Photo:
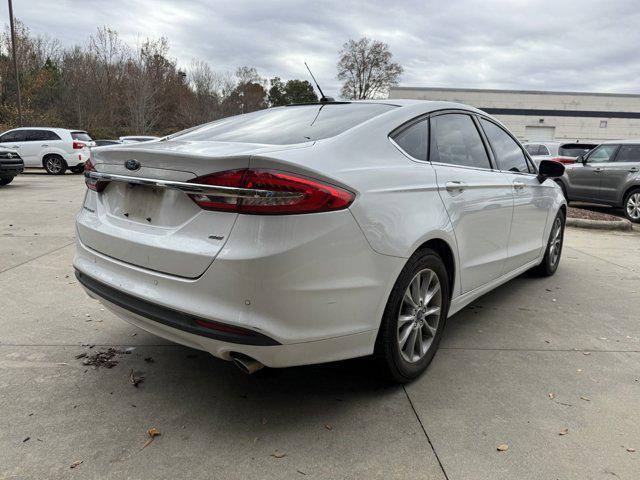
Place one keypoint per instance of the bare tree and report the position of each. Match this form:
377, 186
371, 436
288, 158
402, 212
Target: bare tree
366, 69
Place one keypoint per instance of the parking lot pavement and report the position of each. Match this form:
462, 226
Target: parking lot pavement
575, 336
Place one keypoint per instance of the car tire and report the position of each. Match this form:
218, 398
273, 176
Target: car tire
54, 165
631, 206
553, 252
402, 361
6, 180
77, 169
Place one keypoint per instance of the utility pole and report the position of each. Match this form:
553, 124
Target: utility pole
15, 60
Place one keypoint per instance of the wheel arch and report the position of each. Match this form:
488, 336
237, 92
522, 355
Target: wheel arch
629, 189
442, 248
52, 154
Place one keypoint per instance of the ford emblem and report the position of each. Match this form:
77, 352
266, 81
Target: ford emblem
132, 164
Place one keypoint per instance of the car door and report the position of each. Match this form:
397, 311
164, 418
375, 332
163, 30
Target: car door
617, 174
31, 147
532, 200
584, 178
14, 140
478, 198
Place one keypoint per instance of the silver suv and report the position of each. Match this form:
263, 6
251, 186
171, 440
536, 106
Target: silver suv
607, 174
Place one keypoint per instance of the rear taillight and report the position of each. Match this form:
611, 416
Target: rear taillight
79, 145
304, 195
564, 160
92, 183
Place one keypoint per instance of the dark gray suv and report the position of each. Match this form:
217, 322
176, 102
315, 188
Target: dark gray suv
608, 174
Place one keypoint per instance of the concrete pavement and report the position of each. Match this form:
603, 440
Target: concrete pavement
575, 335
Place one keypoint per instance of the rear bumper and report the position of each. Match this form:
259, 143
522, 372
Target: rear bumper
311, 287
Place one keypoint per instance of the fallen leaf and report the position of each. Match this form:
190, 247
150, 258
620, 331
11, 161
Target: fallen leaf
631, 450
579, 370
564, 431
278, 454
328, 427
152, 432
586, 399
76, 464
135, 381
26, 439
149, 360
81, 355
551, 395
503, 447
586, 353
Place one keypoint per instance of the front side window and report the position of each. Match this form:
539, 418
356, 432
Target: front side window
456, 141
15, 136
602, 154
414, 140
628, 153
509, 155
543, 150
287, 125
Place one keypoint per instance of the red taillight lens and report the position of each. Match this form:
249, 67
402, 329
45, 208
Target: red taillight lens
92, 183
313, 196
564, 160
78, 145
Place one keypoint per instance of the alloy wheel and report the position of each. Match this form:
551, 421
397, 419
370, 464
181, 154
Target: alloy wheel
54, 165
419, 315
555, 241
633, 206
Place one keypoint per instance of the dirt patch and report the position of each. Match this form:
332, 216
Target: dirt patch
586, 214
104, 358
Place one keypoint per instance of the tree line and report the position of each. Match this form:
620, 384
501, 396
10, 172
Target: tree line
110, 89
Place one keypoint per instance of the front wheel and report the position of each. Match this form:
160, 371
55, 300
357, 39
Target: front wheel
6, 180
551, 258
632, 206
55, 165
414, 318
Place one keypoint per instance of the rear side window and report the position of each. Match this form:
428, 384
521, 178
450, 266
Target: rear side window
533, 149
415, 140
628, 153
80, 136
509, 155
574, 150
456, 140
15, 136
287, 125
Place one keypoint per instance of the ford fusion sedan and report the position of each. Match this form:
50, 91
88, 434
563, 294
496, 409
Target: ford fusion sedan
312, 233
609, 175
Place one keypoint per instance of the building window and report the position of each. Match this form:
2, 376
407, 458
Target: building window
603, 124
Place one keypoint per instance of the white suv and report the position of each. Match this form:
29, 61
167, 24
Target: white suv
54, 149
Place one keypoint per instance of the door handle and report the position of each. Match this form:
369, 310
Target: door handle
44, 145
518, 185
633, 170
455, 186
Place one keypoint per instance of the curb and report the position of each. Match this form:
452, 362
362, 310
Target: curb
622, 224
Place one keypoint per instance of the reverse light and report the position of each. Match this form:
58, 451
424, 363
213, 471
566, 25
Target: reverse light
309, 196
93, 183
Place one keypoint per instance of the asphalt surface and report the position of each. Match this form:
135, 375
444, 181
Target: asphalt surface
574, 337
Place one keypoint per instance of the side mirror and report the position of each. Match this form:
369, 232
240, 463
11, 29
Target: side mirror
549, 169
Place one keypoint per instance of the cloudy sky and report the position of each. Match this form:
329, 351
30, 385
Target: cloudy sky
578, 45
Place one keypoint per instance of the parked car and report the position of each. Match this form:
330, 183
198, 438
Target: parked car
562, 152
10, 165
102, 143
137, 138
54, 149
320, 232
607, 175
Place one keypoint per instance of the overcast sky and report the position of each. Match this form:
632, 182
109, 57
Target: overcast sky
546, 45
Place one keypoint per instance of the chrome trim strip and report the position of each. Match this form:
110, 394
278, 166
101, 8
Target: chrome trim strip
193, 188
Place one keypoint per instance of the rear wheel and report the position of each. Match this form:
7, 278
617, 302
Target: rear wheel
6, 180
77, 169
632, 206
55, 165
551, 258
414, 318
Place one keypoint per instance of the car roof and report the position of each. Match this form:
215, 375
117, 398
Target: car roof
53, 129
621, 142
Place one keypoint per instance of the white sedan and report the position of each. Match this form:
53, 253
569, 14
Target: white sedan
313, 233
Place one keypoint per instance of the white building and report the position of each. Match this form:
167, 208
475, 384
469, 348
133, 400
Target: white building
538, 116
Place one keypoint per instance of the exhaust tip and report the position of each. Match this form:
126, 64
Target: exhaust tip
245, 363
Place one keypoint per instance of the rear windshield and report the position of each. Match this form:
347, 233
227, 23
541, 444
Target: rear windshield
81, 136
287, 125
574, 150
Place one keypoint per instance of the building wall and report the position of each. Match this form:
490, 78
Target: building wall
574, 116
